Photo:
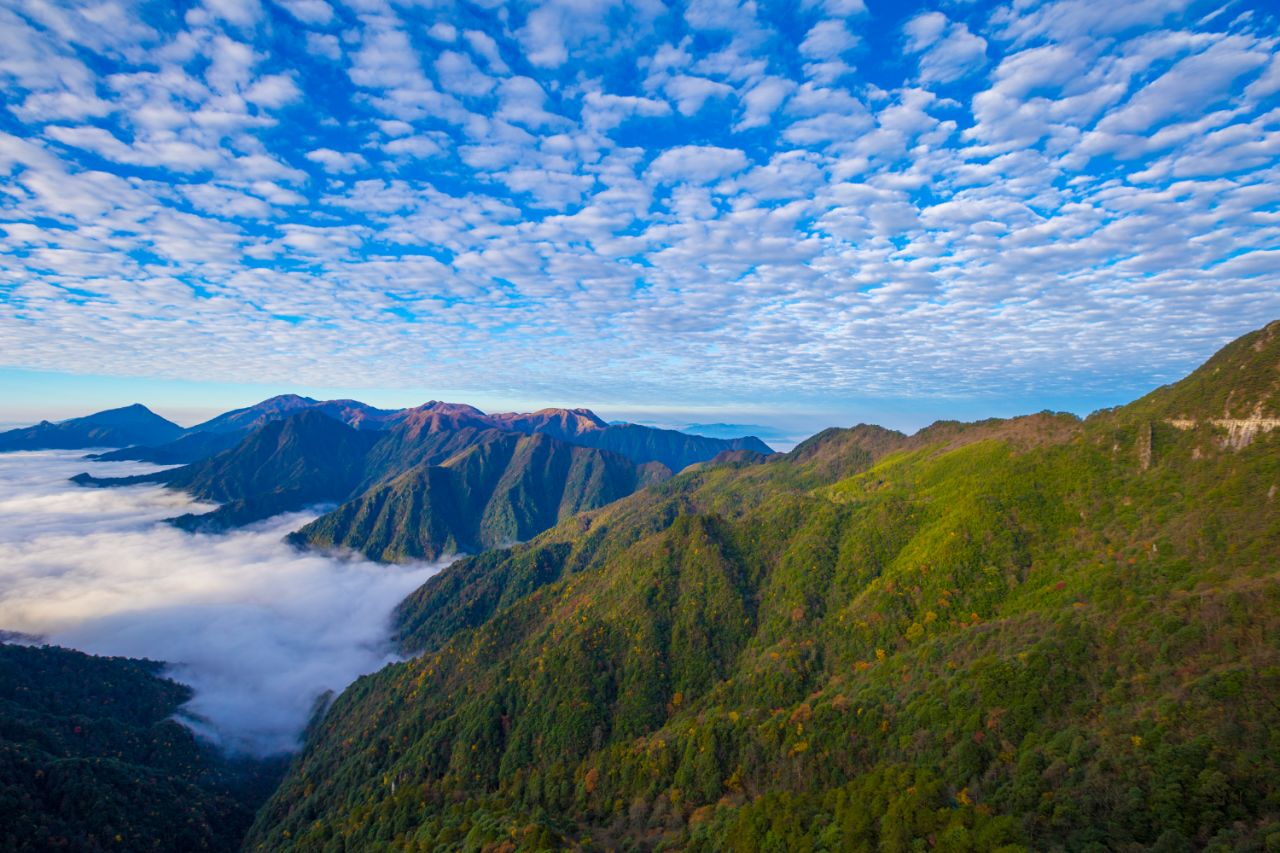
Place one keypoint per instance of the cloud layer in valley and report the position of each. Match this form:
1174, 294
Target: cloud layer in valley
709, 201
258, 629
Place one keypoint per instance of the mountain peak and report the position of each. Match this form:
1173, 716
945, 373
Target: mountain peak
132, 424
287, 399
582, 416
1239, 382
445, 407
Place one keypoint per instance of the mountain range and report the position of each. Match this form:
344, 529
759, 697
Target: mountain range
1040, 633
142, 435
1036, 633
417, 483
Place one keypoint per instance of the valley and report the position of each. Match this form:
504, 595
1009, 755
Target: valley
1032, 633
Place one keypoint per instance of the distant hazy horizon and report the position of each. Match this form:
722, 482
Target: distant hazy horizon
29, 397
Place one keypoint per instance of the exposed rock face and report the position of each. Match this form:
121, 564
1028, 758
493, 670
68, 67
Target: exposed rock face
1240, 431
1144, 446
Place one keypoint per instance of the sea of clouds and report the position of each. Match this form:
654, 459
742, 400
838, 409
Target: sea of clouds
259, 629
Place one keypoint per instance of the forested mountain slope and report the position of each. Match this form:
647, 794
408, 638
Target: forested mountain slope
418, 491
494, 492
190, 447
1039, 633
285, 465
90, 760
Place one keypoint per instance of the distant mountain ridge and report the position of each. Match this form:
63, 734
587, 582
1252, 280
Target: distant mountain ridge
350, 412
504, 489
412, 492
417, 483
135, 424
676, 450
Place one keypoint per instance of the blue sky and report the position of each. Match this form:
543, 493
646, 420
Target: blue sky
817, 211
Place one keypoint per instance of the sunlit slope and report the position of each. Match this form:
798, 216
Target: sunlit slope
1039, 633
493, 493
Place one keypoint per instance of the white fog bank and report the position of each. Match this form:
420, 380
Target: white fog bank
257, 628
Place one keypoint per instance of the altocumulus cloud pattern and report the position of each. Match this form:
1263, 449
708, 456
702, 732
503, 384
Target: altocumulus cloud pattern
712, 198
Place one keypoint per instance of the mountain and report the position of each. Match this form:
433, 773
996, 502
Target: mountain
230, 428
286, 465
91, 759
432, 485
436, 416
1038, 633
175, 446
283, 466
564, 424
134, 424
501, 488
642, 444
191, 447
350, 412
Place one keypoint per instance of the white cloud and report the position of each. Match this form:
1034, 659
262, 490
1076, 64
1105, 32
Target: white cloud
924, 30
337, 161
1109, 163
170, 153
273, 90
762, 100
523, 102
603, 111
443, 31
696, 163
241, 13
733, 15
324, 45
316, 12
259, 629
418, 147
484, 45
690, 93
827, 40
459, 75
1194, 85
845, 8
948, 51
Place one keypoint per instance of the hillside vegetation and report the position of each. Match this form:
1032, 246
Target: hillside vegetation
419, 483
1033, 634
494, 492
90, 760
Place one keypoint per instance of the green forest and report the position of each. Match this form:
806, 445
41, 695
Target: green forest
1042, 633
91, 759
